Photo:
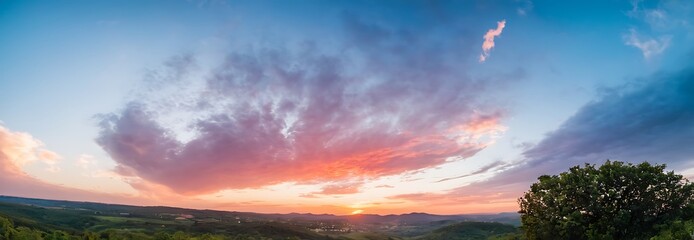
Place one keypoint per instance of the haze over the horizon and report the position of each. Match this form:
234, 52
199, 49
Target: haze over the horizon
339, 107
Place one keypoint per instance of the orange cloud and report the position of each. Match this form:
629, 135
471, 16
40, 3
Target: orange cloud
340, 189
484, 124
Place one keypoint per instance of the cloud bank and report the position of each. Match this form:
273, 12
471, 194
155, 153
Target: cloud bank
488, 43
390, 103
649, 121
652, 121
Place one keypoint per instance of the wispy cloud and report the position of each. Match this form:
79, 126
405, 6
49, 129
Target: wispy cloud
85, 161
649, 47
340, 189
663, 16
657, 23
525, 7
473, 199
335, 189
488, 43
482, 170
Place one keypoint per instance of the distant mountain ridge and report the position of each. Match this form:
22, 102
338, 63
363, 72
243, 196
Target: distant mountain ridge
417, 217
408, 218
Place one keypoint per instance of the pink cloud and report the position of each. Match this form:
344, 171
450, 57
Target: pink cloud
483, 124
17, 148
488, 43
271, 116
15, 182
340, 189
262, 158
20, 149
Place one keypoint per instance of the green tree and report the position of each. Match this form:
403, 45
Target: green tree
208, 236
508, 236
58, 235
6, 228
615, 201
162, 236
676, 230
25, 233
180, 236
87, 235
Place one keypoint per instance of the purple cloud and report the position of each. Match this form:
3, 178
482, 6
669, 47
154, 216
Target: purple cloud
392, 103
652, 120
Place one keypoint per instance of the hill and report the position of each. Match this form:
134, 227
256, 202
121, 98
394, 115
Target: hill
114, 221
80, 221
469, 231
409, 218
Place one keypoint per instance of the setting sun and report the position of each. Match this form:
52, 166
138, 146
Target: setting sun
358, 211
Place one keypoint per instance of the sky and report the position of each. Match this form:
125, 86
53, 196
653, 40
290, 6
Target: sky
340, 107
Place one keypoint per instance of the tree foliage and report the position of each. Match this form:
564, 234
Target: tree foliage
615, 201
6, 228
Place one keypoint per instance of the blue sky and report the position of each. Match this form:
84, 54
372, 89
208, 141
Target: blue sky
328, 103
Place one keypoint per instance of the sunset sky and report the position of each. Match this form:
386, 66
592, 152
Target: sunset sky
339, 107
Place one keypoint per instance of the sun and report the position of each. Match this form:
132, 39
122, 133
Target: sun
358, 211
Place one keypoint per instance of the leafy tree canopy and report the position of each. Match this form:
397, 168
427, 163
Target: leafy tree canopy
615, 201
